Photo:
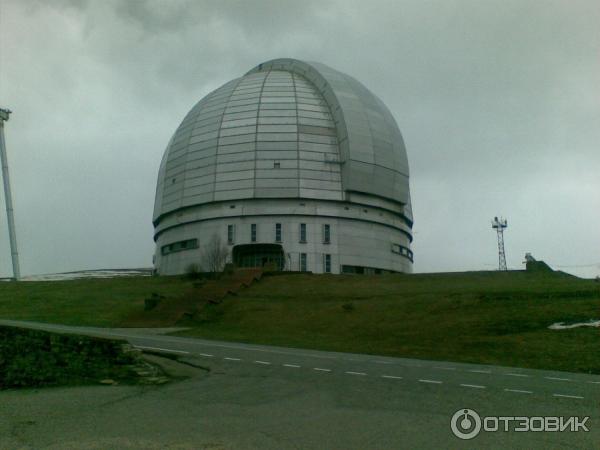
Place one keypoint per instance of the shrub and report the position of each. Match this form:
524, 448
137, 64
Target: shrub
193, 271
152, 301
348, 307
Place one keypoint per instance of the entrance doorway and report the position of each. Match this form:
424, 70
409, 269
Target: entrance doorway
258, 255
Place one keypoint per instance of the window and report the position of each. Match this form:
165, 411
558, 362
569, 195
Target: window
179, 246
404, 251
253, 232
276, 165
326, 233
230, 234
277, 232
303, 265
303, 233
327, 263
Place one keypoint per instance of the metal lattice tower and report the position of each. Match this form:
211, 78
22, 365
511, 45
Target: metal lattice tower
499, 225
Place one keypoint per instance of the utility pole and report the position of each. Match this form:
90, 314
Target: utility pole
499, 225
4, 113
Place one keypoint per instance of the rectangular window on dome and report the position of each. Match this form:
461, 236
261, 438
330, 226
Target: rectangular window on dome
327, 263
303, 263
230, 234
303, 233
402, 250
179, 246
277, 232
253, 232
326, 233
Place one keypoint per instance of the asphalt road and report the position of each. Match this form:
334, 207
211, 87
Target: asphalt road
271, 397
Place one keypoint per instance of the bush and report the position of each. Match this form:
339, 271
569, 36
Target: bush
348, 307
193, 271
32, 358
228, 269
152, 302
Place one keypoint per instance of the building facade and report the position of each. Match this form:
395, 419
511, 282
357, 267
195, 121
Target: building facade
295, 165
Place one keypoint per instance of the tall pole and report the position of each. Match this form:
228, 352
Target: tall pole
4, 113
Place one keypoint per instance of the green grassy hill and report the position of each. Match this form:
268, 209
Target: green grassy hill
483, 317
102, 302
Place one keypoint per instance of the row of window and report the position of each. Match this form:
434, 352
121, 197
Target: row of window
404, 251
326, 233
364, 270
193, 243
179, 246
326, 263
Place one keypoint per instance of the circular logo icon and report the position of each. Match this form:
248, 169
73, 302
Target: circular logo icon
465, 424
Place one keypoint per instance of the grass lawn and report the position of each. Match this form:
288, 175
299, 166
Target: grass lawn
91, 302
482, 317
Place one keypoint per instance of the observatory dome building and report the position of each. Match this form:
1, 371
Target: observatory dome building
293, 164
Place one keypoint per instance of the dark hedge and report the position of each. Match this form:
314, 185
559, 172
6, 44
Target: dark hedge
32, 358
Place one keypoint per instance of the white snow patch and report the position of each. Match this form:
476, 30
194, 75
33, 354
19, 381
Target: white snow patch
103, 273
563, 326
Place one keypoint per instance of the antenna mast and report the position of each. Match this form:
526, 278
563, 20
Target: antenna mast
499, 225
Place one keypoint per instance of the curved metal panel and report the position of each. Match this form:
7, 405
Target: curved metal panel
287, 128
248, 139
371, 146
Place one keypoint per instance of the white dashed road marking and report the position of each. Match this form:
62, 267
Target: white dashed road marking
518, 391
567, 396
472, 386
143, 347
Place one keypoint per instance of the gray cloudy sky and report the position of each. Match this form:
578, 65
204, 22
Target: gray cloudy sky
498, 102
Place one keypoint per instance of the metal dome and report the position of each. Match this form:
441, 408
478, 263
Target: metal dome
326, 133
293, 163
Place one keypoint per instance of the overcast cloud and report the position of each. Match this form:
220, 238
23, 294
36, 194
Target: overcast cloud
498, 102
